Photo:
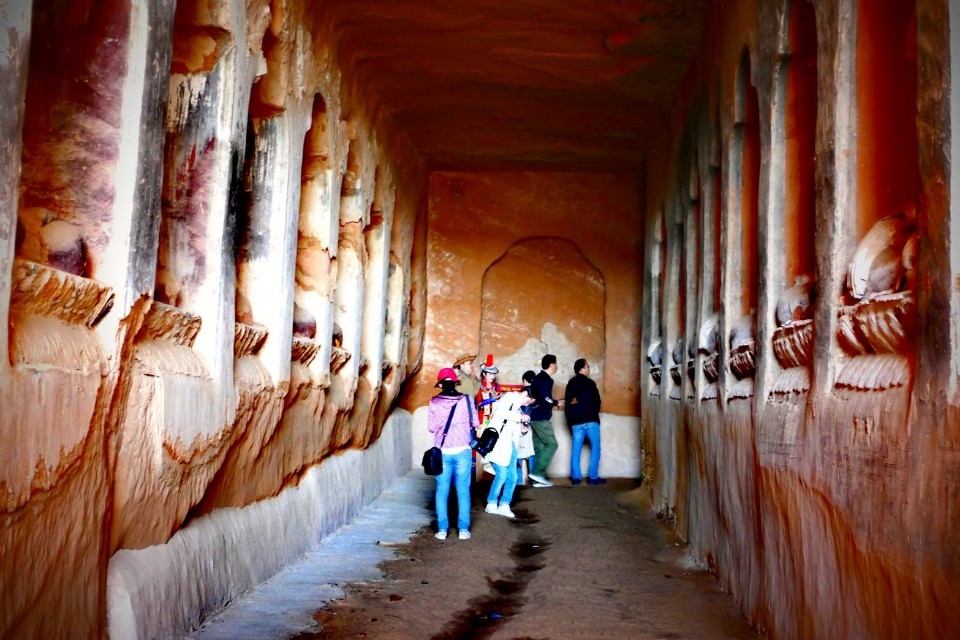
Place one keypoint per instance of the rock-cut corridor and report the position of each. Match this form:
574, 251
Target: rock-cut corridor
576, 562
240, 238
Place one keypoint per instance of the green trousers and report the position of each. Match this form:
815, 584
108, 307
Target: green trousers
544, 446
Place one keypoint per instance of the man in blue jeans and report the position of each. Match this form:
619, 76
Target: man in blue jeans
582, 409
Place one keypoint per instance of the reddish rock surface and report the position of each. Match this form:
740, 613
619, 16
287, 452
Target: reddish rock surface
577, 86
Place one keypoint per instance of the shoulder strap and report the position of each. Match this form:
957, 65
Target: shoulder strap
503, 426
449, 420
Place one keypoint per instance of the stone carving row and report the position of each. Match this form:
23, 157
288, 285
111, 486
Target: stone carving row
877, 325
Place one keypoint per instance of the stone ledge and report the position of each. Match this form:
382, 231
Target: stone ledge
44, 291
304, 350
874, 372
338, 358
170, 324
248, 339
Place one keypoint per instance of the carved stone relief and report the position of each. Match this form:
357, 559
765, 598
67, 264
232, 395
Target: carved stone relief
676, 372
878, 320
793, 338
248, 339
708, 344
742, 356
655, 358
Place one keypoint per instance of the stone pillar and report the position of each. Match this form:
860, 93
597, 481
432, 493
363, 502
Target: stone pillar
351, 261
14, 54
266, 264
377, 241
318, 226
213, 72
836, 179
129, 257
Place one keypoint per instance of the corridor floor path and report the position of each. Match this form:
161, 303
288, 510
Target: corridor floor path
576, 562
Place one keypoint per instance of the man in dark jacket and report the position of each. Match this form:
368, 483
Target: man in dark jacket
582, 402
544, 440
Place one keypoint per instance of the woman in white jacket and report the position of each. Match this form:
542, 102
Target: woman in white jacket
511, 422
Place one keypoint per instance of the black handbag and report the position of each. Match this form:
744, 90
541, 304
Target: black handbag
433, 461
487, 441
433, 458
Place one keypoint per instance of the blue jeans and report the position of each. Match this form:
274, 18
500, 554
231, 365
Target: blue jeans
506, 479
455, 466
590, 430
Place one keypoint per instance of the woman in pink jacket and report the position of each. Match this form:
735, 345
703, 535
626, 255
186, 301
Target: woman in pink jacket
451, 418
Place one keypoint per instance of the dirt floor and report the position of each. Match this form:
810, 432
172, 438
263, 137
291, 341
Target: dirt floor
576, 562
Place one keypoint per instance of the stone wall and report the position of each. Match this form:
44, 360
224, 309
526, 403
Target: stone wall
799, 318
524, 264
208, 264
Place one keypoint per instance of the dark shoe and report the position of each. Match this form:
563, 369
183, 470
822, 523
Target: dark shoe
575, 481
596, 481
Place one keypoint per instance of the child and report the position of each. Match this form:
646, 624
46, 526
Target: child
525, 448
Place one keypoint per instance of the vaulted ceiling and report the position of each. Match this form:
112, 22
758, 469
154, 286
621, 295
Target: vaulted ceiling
567, 85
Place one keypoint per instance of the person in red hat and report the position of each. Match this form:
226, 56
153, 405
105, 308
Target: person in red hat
489, 390
451, 418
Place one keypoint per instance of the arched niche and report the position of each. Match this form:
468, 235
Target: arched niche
317, 232
888, 177
658, 266
878, 320
743, 256
693, 265
792, 259
543, 296
376, 235
72, 133
713, 189
747, 148
800, 127
711, 208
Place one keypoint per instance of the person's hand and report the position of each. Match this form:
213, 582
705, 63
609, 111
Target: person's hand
560, 404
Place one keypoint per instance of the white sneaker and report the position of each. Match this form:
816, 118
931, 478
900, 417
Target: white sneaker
540, 481
504, 510
440, 535
491, 507
464, 535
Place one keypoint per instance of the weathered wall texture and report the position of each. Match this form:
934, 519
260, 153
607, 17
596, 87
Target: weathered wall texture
208, 268
523, 264
809, 452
